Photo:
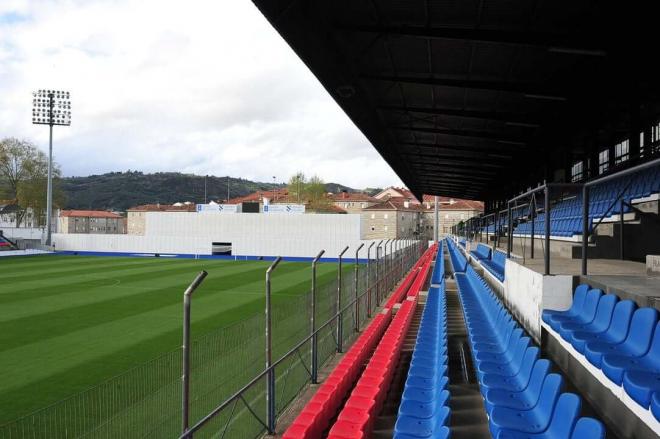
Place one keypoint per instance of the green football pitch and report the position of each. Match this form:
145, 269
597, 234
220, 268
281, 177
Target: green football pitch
71, 322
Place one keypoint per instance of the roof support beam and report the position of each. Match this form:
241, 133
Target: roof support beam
496, 151
486, 135
507, 118
570, 44
530, 90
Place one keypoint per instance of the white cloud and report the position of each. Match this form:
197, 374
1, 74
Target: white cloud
204, 86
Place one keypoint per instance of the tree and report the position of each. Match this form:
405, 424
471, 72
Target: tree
24, 173
315, 191
296, 187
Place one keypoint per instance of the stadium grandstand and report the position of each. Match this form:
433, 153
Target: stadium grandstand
540, 317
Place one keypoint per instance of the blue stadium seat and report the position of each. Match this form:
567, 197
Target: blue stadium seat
588, 428
578, 301
519, 399
600, 322
522, 398
496, 264
655, 405
585, 315
482, 252
614, 366
532, 420
616, 331
636, 343
562, 423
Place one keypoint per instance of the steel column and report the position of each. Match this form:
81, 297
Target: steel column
509, 231
585, 227
185, 376
547, 230
315, 341
340, 317
621, 241
532, 204
369, 279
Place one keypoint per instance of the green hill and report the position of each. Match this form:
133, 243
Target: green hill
121, 190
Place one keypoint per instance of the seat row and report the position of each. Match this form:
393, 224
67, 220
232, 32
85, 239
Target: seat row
438, 274
356, 419
424, 410
412, 276
615, 336
482, 252
315, 418
521, 395
492, 260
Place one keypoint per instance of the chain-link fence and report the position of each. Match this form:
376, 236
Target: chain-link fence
226, 365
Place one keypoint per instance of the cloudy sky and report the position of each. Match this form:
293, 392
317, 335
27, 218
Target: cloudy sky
201, 86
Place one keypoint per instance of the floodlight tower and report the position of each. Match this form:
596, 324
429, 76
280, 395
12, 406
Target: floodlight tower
50, 107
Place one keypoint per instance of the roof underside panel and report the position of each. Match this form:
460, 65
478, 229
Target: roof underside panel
480, 98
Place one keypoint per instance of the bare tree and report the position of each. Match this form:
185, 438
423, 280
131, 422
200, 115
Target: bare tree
24, 172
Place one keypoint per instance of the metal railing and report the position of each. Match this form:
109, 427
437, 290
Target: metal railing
254, 408
469, 228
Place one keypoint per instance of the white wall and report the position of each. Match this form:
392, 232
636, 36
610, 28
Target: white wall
250, 234
527, 293
22, 232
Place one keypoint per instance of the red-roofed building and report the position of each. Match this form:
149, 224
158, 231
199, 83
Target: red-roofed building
401, 215
91, 222
353, 202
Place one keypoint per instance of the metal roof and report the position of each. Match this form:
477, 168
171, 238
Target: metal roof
480, 98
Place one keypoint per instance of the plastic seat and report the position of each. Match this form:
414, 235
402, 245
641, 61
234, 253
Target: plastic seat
422, 428
615, 333
641, 385
513, 383
523, 400
655, 405
588, 428
534, 420
586, 314
614, 366
562, 423
636, 343
578, 301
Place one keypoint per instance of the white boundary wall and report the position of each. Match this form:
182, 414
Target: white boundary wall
528, 293
250, 235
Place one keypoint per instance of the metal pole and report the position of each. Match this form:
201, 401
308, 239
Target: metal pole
378, 286
315, 348
357, 301
436, 219
621, 232
49, 189
386, 270
270, 391
340, 317
487, 232
369, 279
532, 204
547, 230
585, 227
509, 231
185, 376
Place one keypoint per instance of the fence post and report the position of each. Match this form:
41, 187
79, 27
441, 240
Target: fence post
378, 270
369, 279
270, 390
340, 316
357, 300
315, 340
185, 376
